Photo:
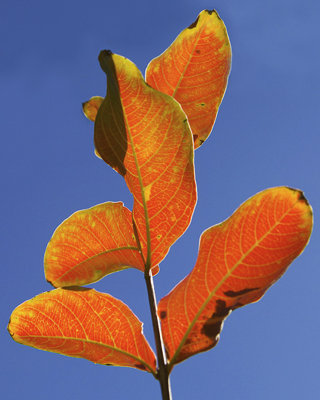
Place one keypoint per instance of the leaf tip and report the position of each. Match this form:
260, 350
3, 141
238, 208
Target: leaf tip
300, 195
304, 203
213, 11
103, 58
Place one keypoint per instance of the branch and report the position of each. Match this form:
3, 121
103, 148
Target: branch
163, 372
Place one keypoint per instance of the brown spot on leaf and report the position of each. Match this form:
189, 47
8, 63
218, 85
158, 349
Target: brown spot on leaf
163, 314
231, 293
213, 325
198, 51
213, 11
211, 329
140, 366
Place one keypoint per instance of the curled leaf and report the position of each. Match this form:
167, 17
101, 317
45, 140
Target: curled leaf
83, 323
194, 70
144, 135
238, 261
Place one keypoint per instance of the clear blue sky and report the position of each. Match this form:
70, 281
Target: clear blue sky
266, 134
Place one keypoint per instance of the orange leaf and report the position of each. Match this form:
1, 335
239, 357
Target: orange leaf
194, 70
238, 261
145, 136
91, 244
83, 323
91, 107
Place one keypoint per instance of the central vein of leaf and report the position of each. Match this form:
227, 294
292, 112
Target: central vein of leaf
187, 64
141, 185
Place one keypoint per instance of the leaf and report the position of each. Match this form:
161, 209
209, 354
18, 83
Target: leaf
91, 107
194, 70
91, 244
238, 261
83, 323
144, 135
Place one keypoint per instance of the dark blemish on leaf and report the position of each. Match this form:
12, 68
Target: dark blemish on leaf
167, 354
76, 288
201, 141
108, 365
140, 366
213, 12
163, 314
231, 293
221, 309
194, 24
50, 282
301, 196
211, 330
198, 51
213, 325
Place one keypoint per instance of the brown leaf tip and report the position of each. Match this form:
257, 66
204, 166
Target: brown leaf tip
210, 12
103, 55
106, 53
301, 197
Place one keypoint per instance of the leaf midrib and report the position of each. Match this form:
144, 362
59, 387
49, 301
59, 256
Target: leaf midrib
188, 62
89, 341
144, 203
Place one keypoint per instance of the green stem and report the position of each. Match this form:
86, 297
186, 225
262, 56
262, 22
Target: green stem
163, 372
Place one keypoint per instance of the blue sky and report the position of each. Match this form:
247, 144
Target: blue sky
266, 134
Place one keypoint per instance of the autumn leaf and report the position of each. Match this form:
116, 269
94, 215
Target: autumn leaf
91, 107
91, 244
238, 261
83, 323
144, 135
194, 70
